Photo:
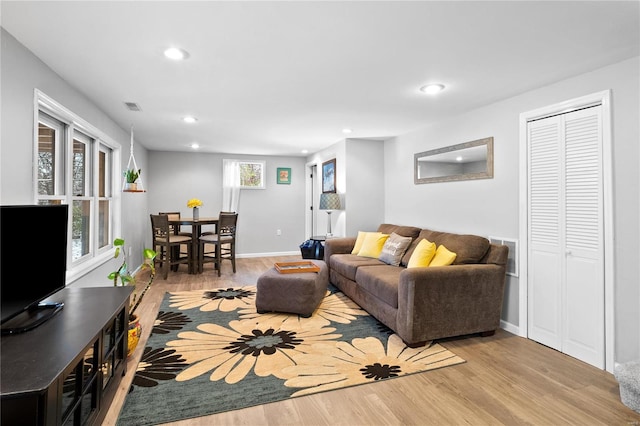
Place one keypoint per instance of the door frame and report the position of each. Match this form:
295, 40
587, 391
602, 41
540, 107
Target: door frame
602, 98
311, 215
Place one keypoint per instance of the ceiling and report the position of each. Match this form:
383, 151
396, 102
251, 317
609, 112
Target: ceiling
274, 78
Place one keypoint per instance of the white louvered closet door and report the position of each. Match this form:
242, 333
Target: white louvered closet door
566, 235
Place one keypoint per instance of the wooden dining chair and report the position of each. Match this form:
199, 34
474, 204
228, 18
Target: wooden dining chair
168, 245
223, 241
177, 230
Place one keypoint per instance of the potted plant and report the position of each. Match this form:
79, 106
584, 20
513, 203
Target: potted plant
123, 277
131, 176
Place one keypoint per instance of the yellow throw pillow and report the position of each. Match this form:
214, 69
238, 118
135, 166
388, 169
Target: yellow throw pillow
359, 241
422, 254
372, 244
443, 257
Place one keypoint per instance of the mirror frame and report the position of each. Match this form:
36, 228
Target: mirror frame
488, 174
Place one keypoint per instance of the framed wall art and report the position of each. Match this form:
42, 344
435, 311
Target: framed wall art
329, 176
284, 175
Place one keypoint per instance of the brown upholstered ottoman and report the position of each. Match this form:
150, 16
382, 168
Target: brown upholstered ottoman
298, 293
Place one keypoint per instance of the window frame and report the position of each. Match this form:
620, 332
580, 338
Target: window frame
100, 142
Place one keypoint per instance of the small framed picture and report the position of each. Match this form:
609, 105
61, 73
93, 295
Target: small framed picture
284, 175
329, 176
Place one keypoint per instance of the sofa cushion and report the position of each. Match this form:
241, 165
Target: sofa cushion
468, 248
372, 244
347, 264
381, 281
443, 257
394, 249
403, 231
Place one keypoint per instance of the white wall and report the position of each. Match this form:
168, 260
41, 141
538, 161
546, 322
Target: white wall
338, 218
359, 181
490, 207
365, 193
175, 177
22, 73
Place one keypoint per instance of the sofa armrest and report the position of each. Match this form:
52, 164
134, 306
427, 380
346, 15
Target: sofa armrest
449, 301
338, 246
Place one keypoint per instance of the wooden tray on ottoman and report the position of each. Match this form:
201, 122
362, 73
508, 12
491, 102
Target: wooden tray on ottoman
296, 267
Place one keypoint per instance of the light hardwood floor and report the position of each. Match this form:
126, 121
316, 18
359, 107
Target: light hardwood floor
507, 380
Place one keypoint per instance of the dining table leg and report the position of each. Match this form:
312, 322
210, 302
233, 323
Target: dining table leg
195, 249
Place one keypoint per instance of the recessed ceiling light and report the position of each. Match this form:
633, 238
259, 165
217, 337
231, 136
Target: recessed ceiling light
189, 119
176, 54
194, 145
432, 89
459, 158
346, 131
305, 151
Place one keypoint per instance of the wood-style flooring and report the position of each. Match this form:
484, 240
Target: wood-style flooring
507, 380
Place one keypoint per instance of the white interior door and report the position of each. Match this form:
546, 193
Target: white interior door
545, 267
566, 234
584, 237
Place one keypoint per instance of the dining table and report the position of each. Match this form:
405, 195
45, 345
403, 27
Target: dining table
196, 231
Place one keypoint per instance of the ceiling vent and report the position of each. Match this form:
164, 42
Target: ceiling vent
132, 106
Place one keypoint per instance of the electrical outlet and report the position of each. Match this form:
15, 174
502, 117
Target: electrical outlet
278, 231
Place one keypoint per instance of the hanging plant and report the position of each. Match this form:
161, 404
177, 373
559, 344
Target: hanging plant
132, 175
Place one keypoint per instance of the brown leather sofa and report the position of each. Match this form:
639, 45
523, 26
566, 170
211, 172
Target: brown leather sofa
425, 303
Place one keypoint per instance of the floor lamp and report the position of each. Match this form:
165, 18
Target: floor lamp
329, 201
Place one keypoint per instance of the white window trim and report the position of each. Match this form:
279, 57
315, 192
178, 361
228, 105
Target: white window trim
46, 104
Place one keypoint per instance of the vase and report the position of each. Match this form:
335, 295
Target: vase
131, 186
135, 330
196, 213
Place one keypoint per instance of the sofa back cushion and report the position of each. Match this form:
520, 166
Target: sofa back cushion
403, 231
468, 248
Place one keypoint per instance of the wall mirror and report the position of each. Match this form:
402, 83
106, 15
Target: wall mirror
465, 161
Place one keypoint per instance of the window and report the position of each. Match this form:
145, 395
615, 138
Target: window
251, 174
50, 176
75, 166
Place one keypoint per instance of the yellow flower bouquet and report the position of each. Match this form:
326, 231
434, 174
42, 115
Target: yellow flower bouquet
193, 203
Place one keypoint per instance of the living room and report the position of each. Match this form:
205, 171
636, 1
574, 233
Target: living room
374, 175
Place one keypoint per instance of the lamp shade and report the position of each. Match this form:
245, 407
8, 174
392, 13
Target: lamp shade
330, 201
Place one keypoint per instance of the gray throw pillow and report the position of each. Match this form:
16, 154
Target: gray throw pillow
394, 249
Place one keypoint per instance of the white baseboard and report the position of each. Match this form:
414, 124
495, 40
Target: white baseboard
507, 326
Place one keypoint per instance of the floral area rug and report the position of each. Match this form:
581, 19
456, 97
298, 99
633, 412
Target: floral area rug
210, 351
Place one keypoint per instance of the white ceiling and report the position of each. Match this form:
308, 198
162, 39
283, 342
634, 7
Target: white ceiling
273, 78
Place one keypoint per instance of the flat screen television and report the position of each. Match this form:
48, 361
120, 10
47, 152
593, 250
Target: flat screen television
33, 263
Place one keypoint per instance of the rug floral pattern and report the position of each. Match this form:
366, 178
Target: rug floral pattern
210, 351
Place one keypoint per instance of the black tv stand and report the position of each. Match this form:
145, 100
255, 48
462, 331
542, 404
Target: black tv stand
66, 371
31, 318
